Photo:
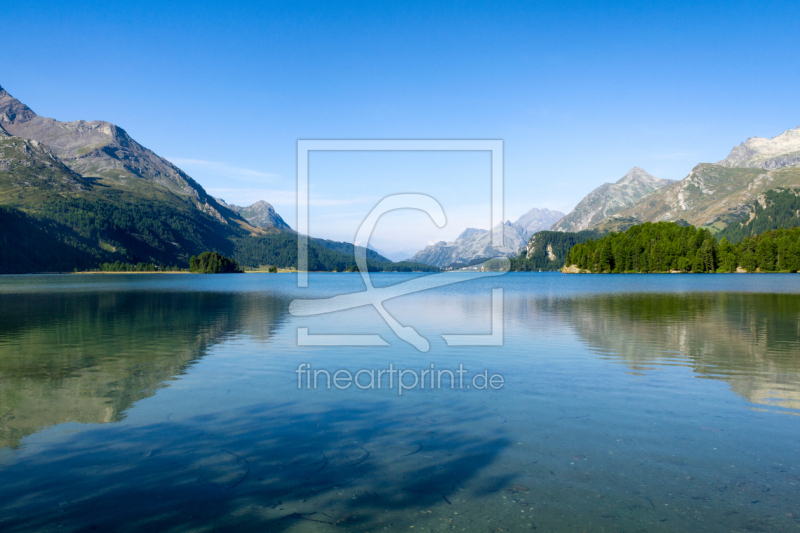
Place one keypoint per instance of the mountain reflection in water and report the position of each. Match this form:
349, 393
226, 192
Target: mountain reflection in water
751, 341
88, 357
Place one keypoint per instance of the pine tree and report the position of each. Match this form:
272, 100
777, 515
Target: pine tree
767, 253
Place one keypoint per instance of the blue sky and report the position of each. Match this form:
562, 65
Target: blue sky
579, 92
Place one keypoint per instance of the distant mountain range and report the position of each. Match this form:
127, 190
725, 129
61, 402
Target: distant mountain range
735, 196
472, 244
476, 243
597, 206
714, 195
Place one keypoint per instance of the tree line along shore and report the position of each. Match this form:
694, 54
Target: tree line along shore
671, 247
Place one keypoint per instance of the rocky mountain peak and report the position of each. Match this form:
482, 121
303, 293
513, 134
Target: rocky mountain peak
609, 199
12, 110
758, 152
260, 214
538, 220
99, 149
636, 175
474, 243
470, 232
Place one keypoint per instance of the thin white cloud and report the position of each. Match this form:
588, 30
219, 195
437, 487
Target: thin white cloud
223, 169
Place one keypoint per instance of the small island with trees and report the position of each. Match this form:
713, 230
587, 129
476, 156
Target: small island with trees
213, 263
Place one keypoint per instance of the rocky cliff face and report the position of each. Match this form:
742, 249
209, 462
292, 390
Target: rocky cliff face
30, 164
473, 244
102, 150
538, 219
758, 152
610, 198
260, 214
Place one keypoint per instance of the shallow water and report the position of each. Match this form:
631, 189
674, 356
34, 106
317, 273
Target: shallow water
171, 402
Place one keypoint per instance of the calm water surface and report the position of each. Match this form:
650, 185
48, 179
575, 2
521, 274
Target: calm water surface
171, 403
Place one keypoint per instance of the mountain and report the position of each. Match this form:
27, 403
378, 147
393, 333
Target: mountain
78, 194
609, 199
95, 220
99, 149
538, 219
618, 223
476, 243
473, 244
260, 214
758, 152
716, 195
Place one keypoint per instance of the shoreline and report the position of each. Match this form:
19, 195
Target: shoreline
577, 271
563, 270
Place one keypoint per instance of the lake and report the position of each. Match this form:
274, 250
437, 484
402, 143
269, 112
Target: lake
623, 403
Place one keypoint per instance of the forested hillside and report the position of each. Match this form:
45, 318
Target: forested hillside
137, 228
31, 245
773, 210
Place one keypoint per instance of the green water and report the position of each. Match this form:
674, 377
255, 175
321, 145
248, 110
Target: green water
171, 403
